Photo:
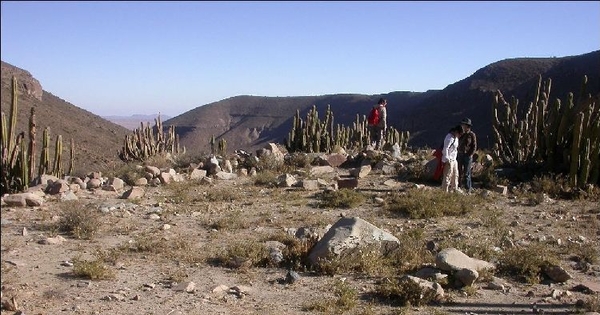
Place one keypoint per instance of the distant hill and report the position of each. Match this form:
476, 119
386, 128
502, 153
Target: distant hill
96, 139
134, 121
249, 122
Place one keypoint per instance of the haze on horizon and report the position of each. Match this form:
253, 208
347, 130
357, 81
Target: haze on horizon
125, 58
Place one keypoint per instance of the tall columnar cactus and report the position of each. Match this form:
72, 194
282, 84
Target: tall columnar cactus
18, 157
45, 156
57, 165
146, 142
314, 135
222, 147
561, 137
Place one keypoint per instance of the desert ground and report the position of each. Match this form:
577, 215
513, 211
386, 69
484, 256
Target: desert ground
202, 247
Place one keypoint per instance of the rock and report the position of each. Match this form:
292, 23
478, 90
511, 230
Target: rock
429, 273
187, 286
451, 259
360, 172
23, 199
227, 167
53, 240
165, 178
24, 232
392, 183
466, 276
197, 174
557, 273
317, 171
155, 171
310, 184
94, 183
427, 287
225, 175
68, 196
142, 181
291, 277
348, 233
588, 287
347, 183
286, 180
335, 159
133, 193
220, 289
57, 187
501, 189
271, 149
116, 183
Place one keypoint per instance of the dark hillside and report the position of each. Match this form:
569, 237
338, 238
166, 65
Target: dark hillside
96, 140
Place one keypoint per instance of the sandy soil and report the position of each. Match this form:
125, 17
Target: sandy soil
40, 277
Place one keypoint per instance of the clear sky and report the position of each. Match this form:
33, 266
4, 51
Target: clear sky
123, 58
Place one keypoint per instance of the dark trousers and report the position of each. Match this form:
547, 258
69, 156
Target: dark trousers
465, 168
376, 136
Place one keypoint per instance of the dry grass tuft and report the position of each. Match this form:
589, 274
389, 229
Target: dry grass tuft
343, 198
346, 299
526, 263
78, 220
431, 203
92, 269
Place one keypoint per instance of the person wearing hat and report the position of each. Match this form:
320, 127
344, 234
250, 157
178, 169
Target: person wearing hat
449, 155
466, 148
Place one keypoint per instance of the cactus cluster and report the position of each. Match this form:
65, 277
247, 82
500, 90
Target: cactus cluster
218, 148
562, 138
146, 142
18, 158
315, 135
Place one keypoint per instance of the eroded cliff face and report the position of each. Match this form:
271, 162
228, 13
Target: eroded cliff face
27, 84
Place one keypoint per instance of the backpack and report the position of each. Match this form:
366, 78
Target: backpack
373, 118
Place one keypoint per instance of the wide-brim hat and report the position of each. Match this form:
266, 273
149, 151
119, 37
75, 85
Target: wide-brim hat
467, 122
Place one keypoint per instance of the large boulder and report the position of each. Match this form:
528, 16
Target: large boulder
451, 259
348, 233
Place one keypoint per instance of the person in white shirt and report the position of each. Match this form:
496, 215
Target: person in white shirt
449, 155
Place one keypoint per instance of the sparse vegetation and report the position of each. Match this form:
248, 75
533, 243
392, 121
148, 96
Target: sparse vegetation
92, 269
345, 299
527, 263
432, 203
404, 292
343, 198
79, 220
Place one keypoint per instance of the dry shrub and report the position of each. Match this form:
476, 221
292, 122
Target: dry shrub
346, 298
404, 292
431, 203
223, 194
295, 254
78, 220
92, 269
242, 256
343, 198
266, 178
178, 247
233, 221
526, 263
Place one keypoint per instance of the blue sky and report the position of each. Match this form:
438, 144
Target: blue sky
123, 58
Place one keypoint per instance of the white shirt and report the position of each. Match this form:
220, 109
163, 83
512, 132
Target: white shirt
450, 149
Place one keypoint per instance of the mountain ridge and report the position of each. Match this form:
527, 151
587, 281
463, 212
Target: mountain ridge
249, 122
